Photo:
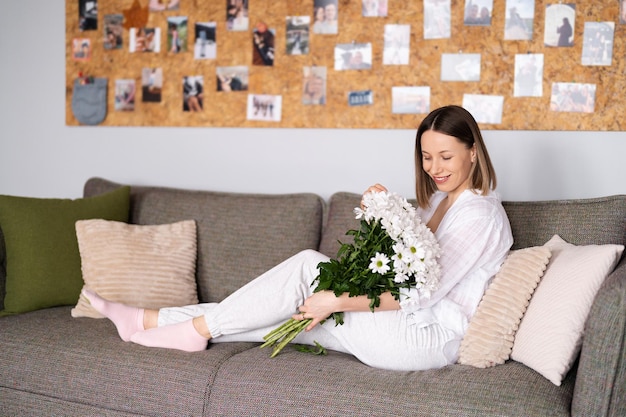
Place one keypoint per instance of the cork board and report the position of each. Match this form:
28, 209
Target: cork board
285, 78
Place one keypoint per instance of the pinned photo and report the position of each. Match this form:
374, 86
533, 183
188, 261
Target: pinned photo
559, 25
113, 30
205, 46
264, 107
145, 40
622, 12
519, 20
81, 49
528, 75
151, 84
598, 43
325, 14
374, 8
484, 108
397, 45
573, 97
361, 98
177, 32
232, 78
297, 34
88, 15
478, 12
124, 95
193, 93
460, 67
410, 100
263, 45
237, 15
162, 5
314, 86
353, 56
437, 17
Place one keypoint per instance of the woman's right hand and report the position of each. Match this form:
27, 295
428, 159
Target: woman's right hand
377, 188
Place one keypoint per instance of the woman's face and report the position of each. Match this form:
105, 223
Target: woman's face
447, 161
319, 14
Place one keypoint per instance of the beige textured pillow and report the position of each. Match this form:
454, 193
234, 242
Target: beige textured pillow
550, 335
148, 266
491, 331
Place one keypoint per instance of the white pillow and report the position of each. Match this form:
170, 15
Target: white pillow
149, 266
550, 335
491, 331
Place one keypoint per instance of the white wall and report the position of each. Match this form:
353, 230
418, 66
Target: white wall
41, 157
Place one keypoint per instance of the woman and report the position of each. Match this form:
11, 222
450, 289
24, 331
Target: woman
454, 183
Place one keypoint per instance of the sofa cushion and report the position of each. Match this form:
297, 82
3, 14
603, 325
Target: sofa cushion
491, 331
240, 236
42, 229
149, 266
550, 334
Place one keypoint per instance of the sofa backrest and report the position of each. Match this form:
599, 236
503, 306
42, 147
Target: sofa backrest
240, 236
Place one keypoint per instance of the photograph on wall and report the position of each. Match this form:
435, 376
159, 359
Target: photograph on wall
264, 107
478, 12
374, 8
145, 40
325, 15
263, 45
151, 85
360, 98
205, 46
87, 15
622, 11
410, 100
193, 89
437, 17
559, 25
573, 97
113, 31
232, 78
297, 35
353, 56
519, 20
237, 15
485, 108
124, 95
163, 5
81, 49
528, 75
314, 86
460, 67
397, 45
598, 43
177, 33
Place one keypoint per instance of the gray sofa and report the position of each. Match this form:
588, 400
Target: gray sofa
54, 365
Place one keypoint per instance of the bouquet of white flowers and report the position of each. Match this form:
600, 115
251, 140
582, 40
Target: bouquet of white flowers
392, 250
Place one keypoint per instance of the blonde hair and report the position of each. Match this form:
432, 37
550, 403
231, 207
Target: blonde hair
458, 122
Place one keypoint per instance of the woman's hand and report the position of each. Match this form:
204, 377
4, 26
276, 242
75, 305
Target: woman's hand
318, 307
374, 188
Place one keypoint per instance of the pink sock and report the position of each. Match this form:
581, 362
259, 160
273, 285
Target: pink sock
181, 336
128, 320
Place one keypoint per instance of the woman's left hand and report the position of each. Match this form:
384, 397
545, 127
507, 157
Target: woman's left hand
317, 307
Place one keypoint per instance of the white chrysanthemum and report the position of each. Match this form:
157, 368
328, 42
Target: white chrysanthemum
380, 263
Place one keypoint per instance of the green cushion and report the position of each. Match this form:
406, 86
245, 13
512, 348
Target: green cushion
41, 249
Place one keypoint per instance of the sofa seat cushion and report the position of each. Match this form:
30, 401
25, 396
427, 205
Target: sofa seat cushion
298, 381
240, 236
50, 354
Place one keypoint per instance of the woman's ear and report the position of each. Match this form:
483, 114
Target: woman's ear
473, 153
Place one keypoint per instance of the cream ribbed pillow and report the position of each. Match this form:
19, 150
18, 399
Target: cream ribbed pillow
148, 266
491, 331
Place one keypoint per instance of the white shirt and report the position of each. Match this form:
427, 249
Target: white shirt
475, 238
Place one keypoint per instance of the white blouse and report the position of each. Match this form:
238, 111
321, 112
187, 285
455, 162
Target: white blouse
475, 238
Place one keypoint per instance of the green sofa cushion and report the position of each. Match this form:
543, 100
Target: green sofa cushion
41, 259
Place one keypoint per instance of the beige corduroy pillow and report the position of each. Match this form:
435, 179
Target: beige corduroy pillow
149, 266
491, 331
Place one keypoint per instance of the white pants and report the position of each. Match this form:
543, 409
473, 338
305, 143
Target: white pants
385, 339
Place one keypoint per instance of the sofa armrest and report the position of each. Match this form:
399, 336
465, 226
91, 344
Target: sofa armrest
601, 379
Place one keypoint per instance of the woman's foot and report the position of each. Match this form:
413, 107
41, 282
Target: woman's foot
128, 320
181, 336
